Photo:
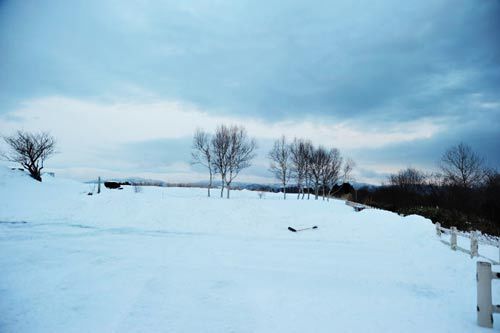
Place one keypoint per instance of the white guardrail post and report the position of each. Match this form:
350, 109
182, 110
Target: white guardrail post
475, 237
485, 308
453, 238
438, 229
498, 244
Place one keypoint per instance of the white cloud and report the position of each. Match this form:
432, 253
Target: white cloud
83, 128
86, 123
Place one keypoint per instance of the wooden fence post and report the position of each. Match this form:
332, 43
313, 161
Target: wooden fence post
453, 238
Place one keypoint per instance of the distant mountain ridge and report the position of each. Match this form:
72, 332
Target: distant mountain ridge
274, 187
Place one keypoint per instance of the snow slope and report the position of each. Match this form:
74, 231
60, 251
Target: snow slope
173, 260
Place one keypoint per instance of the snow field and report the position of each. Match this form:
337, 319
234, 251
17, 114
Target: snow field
172, 260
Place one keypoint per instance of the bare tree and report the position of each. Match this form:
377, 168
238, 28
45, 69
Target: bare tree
349, 165
461, 166
220, 151
409, 179
318, 164
241, 153
30, 150
332, 172
280, 156
347, 168
299, 163
308, 156
232, 152
202, 154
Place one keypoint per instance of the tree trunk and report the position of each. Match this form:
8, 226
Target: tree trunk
209, 184
222, 188
227, 190
35, 174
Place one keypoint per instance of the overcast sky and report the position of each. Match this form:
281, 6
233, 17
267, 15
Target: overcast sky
123, 85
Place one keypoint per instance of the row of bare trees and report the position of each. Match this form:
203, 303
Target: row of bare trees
459, 166
226, 153
463, 192
309, 166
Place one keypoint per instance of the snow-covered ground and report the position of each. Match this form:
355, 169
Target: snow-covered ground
173, 260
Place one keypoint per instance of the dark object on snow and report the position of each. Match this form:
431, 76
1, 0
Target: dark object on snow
112, 185
90, 193
297, 230
356, 206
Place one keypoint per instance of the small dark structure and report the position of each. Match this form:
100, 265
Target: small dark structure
112, 185
340, 190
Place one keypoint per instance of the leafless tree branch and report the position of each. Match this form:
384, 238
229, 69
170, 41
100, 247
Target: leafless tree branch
30, 150
202, 154
280, 156
461, 166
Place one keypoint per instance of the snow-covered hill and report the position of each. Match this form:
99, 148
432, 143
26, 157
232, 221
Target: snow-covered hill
173, 260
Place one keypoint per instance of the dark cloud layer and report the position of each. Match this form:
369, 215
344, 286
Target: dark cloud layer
362, 61
381, 60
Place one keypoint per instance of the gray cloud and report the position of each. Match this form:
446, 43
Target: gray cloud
364, 62
426, 153
340, 59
